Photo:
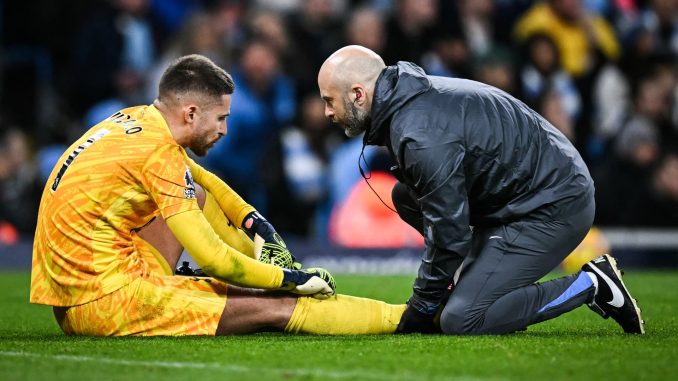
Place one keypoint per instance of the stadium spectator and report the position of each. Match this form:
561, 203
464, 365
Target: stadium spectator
263, 104
271, 28
470, 154
586, 42
653, 100
583, 38
541, 71
637, 148
649, 197
278, 6
496, 68
315, 32
667, 84
173, 14
117, 213
612, 97
409, 30
450, 55
200, 34
550, 105
630, 169
476, 20
306, 150
366, 28
664, 211
230, 20
658, 22
114, 51
610, 104
19, 184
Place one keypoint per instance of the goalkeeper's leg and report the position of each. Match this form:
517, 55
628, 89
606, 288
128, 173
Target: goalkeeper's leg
344, 315
158, 242
249, 310
226, 230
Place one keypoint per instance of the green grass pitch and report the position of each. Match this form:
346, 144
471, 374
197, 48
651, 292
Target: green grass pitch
576, 346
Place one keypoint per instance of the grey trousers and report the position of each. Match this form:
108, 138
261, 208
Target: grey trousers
496, 291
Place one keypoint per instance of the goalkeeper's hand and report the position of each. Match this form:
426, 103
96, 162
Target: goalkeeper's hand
316, 282
274, 250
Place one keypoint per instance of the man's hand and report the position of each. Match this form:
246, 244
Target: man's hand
273, 251
423, 316
315, 282
415, 321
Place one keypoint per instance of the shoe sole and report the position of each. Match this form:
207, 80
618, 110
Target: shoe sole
613, 263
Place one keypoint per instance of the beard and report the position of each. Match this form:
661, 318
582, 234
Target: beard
357, 120
201, 145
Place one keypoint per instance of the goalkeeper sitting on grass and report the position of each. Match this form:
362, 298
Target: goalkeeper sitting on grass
125, 200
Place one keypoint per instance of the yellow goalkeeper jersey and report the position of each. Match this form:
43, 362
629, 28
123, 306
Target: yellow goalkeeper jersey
111, 182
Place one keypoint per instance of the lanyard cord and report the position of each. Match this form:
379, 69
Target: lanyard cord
366, 178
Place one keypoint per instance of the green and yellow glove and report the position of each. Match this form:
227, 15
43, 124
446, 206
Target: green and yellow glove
273, 251
315, 282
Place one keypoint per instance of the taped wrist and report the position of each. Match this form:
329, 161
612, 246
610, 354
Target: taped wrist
293, 278
255, 223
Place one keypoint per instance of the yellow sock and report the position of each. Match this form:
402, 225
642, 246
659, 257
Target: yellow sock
344, 315
227, 231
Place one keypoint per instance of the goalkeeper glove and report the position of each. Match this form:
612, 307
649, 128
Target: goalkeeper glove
316, 282
274, 250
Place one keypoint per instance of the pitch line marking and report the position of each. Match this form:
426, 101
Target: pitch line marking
230, 368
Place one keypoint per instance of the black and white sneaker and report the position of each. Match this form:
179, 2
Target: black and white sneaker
612, 298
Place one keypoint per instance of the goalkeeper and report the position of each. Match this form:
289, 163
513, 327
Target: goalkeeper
125, 200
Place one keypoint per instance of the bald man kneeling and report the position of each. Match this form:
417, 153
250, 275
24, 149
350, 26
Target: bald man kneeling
499, 194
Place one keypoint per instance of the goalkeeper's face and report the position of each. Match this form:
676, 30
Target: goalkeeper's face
210, 125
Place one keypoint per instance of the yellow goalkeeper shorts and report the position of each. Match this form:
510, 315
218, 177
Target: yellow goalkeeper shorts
153, 305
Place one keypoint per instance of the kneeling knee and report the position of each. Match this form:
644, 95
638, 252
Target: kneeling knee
454, 321
452, 324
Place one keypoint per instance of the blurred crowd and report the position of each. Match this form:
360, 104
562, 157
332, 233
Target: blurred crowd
604, 72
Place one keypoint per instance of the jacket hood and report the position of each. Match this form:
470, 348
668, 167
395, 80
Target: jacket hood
395, 86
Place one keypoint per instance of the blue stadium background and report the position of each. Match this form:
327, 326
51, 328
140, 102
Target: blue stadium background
66, 65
